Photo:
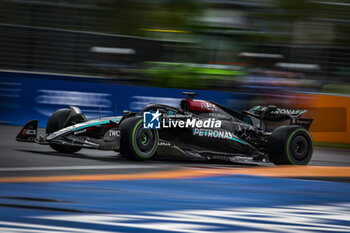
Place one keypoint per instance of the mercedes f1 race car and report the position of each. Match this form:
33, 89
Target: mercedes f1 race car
198, 129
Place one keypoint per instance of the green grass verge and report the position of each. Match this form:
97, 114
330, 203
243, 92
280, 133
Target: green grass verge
332, 145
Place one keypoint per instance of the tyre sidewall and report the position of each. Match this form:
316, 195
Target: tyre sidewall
128, 143
57, 121
143, 155
279, 145
289, 150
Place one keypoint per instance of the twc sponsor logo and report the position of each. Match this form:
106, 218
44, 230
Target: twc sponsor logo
114, 133
151, 120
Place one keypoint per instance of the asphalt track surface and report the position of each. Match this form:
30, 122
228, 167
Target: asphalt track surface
30, 159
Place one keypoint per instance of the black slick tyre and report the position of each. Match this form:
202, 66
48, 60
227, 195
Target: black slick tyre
137, 143
290, 144
57, 121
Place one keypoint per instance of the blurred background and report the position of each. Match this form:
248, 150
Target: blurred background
289, 53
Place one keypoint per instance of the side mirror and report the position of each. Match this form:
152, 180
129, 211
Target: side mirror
126, 112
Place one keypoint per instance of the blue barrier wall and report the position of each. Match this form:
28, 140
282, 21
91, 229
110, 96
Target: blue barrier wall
27, 96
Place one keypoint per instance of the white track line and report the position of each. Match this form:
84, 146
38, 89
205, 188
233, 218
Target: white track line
96, 167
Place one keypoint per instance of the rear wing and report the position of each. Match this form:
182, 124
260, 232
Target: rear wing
272, 113
29, 132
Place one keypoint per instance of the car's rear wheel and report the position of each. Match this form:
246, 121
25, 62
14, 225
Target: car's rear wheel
57, 121
137, 143
290, 145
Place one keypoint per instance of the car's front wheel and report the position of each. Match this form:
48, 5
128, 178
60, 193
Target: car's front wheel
137, 143
58, 120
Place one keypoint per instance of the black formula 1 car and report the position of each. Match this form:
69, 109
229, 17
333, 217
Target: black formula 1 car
198, 129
